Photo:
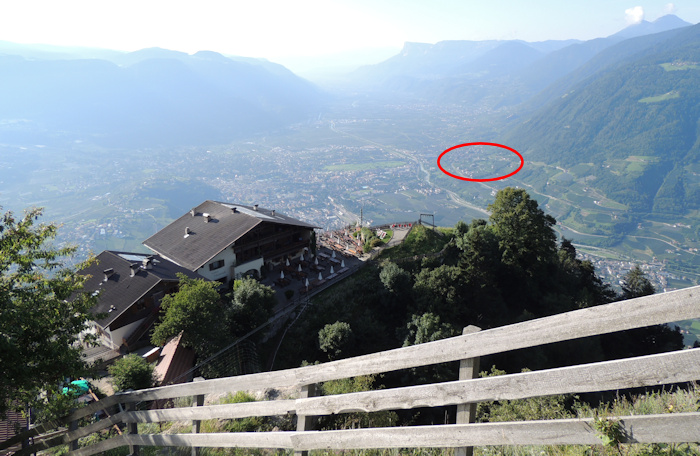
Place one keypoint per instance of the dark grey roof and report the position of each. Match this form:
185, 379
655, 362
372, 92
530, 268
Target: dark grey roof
207, 238
121, 290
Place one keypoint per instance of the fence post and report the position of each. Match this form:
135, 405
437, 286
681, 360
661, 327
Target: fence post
466, 413
73, 426
132, 428
197, 402
304, 422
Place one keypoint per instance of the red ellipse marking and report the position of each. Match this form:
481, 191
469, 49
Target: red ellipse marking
522, 161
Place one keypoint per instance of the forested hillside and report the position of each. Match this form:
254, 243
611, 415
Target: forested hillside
489, 273
635, 121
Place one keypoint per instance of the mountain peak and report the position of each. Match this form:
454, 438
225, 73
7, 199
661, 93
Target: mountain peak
662, 24
412, 47
211, 55
671, 20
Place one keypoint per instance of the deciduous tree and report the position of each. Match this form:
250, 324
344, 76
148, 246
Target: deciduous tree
251, 305
43, 310
197, 311
132, 372
334, 339
427, 328
394, 278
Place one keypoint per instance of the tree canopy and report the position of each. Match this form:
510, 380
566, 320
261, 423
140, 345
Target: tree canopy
251, 305
333, 339
524, 231
635, 284
43, 311
196, 310
487, 273
132, 372
209, 321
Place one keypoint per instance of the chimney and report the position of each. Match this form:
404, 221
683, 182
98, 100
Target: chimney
192, 212
146, 263
255, 207
133, 267
108, 273
207, 217
234, 209
187, 231
273, 212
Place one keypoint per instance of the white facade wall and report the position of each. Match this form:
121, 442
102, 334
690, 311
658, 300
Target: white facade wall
118, 335
223, 272
256, 264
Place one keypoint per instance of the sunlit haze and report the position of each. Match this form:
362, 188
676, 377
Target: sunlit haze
282, 31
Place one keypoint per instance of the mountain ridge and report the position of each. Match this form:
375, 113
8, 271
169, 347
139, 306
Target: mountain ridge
661, 24
152, 96
637, 106
428, 71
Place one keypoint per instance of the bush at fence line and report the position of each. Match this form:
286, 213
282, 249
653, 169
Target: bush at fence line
132, 372
357, 419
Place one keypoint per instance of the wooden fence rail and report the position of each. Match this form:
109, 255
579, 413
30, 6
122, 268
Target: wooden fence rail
667, 368
667, 428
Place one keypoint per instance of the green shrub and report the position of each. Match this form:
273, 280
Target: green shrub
250, 424
132, 372
356, 419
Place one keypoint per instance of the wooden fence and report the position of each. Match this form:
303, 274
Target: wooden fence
653, 370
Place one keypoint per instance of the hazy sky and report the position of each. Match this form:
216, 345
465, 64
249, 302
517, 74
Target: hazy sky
280, 29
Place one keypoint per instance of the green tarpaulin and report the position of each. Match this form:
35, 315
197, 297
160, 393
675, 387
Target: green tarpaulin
77, 387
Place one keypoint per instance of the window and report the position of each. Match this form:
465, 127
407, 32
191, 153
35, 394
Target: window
216, 265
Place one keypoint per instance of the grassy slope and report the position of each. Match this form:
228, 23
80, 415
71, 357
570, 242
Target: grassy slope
420, 241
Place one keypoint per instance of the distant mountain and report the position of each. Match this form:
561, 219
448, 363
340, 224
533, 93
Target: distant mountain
635, 118
51, 52
450, 71
554, 75
149, 97
662, 24
498, 73
448, 59
564, 61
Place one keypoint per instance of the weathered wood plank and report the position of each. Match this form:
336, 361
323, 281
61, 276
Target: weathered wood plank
40, 445
216, 440
649, 310
259, 381
198, 401
668, 428
241, 410
103, 404
655, 309
100, 447
652, 370
132, 429
466, 413
40, 429
453, 435
304, 422
96, 426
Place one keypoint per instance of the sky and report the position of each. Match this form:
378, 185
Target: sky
285, 30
